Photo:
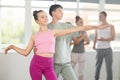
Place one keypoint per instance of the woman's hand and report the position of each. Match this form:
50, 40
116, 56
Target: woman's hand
8, 48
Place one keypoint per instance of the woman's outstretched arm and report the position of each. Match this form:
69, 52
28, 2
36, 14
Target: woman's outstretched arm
25, 51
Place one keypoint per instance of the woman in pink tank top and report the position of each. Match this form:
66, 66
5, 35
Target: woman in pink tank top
44, 41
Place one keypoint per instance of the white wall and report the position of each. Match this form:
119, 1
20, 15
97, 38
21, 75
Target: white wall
16, 67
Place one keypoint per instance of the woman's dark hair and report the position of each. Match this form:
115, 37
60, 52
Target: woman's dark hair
77, 18
35, 14
53, 8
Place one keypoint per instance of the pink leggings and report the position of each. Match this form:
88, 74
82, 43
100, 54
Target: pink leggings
42, 65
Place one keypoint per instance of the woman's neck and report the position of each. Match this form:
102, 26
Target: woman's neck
43, 28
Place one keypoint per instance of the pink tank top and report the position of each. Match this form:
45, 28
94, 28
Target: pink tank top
45, 42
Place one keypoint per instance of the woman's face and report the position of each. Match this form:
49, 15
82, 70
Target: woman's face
42, 18
79, 22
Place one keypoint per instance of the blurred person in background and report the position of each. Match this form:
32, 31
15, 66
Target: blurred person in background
78, 50
102, 45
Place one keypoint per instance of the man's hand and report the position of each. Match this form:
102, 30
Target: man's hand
34, 50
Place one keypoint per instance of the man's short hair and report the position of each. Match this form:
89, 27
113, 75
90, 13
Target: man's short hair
104, 13
53, 8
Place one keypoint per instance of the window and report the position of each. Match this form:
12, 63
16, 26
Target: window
114, 18
69, 16
13, 30
41, 4
12, 18
90, 18
88, 6
13, 2
67, 4
12, 27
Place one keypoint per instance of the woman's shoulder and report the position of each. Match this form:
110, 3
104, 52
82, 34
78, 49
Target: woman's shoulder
33, 36
52, 31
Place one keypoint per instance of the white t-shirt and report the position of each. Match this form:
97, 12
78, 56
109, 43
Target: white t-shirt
103, 33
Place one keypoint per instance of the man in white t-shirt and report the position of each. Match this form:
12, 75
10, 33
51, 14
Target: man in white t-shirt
102, 40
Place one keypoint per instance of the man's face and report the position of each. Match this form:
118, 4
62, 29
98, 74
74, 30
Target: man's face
102, 17
58, 13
